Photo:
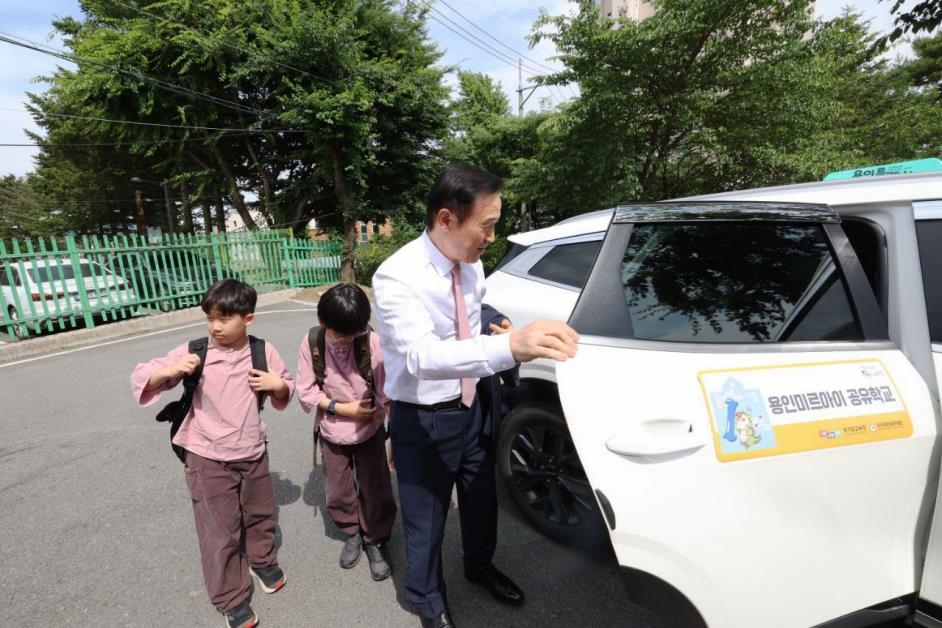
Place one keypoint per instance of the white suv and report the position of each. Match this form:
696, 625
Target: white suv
754, 403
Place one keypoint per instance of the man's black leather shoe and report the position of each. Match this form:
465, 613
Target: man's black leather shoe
500, 586
442, 620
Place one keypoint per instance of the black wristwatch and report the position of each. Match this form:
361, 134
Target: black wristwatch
331, 406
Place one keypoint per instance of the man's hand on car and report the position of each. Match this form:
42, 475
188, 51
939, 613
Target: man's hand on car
544, 339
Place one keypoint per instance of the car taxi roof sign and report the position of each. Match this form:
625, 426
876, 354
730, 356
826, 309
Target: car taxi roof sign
930, 164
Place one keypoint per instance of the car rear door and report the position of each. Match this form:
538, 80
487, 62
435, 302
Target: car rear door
753, 438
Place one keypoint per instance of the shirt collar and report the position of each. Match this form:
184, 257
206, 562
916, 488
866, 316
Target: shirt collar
441, 263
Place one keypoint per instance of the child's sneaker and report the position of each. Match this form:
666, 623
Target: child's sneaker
379, 565
271, 578
242, 616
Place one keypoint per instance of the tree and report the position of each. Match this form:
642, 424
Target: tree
23, 212
925, 70
701, 96
924, 16
318, 108
886, 112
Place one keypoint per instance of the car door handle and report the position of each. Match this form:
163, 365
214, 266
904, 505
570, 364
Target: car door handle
657, 437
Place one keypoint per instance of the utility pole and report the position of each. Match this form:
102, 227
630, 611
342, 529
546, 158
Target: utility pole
524, 215
520, 89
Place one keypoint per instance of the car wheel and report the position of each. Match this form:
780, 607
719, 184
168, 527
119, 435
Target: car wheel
17, 327
539, 466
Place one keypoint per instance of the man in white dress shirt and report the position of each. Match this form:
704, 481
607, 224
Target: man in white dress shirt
434, 353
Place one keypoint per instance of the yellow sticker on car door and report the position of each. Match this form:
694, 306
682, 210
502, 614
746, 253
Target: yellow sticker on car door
775, 410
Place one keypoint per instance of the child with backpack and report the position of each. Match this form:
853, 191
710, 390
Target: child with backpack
224, 446
340, 375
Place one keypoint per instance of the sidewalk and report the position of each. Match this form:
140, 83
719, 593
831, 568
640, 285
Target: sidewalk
59, 341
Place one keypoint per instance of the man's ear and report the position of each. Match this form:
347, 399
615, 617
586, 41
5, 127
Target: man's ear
249, 318
445, 219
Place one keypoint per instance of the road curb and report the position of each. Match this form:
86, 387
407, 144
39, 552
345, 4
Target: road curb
13, 351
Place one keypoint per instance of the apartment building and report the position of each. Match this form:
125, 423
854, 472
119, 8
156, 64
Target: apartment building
635, 9
642, 9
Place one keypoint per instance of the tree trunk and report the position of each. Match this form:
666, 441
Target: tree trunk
207, 215
267, 196
221, 213
346, 203
185, 208
297, 215
238, 201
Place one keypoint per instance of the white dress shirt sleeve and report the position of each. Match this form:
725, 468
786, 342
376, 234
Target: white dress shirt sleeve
409, 331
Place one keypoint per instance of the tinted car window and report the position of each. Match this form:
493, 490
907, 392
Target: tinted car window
928, 233
734, 282
567, 264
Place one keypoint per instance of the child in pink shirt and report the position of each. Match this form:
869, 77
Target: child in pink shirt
350, 421
226, 455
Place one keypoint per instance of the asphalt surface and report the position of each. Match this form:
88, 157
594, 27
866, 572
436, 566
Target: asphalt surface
97, 526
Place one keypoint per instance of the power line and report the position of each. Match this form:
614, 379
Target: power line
535, 63
166, 126
476, 41
73, 58
126, 143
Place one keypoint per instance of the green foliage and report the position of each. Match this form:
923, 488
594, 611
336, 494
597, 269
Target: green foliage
925, 15
926, 69
328, 109
371, 254
24, 212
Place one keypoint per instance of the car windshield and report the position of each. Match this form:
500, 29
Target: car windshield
734, 282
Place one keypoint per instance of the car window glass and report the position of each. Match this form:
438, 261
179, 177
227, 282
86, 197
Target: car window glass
869, 244
567, 264
928, 233
52, 272
734, 282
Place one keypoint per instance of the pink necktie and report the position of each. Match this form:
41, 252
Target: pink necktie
464, 331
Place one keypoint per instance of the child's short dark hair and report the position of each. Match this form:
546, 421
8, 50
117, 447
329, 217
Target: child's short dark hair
230, 296
345, 309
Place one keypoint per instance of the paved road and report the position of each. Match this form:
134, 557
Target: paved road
97, 527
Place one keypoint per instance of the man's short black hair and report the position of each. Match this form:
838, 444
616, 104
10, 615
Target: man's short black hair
457, 188
345, 309
230, 296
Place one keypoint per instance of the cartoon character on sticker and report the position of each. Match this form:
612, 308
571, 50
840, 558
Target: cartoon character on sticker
746, 430
739, 415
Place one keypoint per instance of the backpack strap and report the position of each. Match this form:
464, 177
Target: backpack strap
257, 347
316, 340
199, 347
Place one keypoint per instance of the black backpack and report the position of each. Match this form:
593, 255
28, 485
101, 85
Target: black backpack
316, 339
175, 411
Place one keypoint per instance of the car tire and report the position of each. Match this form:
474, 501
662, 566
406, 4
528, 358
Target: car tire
541, 471
18, 328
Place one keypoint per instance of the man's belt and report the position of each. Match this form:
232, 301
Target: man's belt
451, 404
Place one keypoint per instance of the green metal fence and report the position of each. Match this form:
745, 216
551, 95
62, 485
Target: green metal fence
52, 284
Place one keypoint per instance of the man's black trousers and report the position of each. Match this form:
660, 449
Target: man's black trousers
434, 451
